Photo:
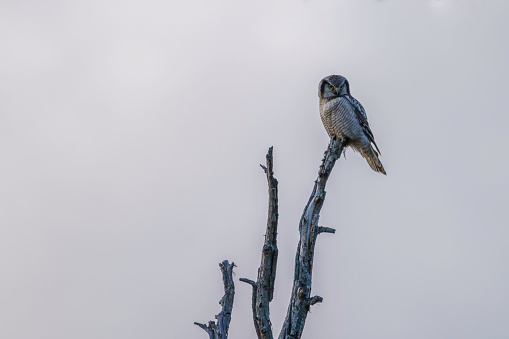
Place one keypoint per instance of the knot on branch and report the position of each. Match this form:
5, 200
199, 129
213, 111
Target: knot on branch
268, 248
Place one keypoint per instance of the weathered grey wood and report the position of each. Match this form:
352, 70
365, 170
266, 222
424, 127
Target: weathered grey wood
220, 330
263, 288
309, 229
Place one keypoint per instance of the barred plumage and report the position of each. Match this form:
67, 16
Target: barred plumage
344, 117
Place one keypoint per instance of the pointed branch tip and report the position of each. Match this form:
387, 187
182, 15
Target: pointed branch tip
203, 327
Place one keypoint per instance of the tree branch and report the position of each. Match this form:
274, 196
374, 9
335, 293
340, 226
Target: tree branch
322, 229
309, 230
210, 329
263, 288
220, 330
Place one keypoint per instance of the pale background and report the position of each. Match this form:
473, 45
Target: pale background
130, 138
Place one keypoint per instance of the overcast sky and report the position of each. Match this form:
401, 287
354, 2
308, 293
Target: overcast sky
130, 138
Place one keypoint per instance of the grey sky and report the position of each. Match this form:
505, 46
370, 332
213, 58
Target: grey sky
130, 138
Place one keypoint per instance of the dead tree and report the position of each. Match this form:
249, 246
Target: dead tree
263, 288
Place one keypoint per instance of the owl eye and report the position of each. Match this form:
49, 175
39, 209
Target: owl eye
342, 87
331, 87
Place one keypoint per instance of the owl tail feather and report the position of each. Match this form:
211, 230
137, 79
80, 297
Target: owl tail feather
371, 157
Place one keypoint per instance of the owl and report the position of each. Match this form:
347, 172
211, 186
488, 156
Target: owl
344, 118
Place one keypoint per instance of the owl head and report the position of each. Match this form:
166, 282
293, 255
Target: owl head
333, 86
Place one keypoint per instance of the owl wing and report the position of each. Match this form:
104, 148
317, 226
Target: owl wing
360, 113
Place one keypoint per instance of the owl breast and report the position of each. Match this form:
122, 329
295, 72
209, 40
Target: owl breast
339, 120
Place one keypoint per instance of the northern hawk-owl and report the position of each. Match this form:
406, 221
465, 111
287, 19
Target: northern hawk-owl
344, 118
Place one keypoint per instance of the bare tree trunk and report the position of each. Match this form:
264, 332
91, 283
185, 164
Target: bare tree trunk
263, 288
220, 330
301, 298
